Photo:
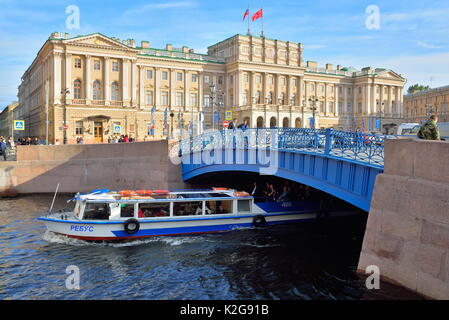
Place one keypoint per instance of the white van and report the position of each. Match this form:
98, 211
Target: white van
444, 129
408, 129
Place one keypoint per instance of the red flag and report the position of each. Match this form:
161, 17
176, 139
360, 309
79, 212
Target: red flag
246, 14
257, 15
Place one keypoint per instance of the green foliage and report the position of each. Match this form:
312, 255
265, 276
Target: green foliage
416, 88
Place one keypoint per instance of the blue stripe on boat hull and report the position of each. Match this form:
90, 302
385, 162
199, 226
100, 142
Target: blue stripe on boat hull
199, 229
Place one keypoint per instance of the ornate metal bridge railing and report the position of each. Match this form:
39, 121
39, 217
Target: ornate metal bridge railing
352, 146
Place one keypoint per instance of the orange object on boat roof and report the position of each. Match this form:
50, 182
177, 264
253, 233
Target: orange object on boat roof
126, 193
220, 189
241, 194
144, 192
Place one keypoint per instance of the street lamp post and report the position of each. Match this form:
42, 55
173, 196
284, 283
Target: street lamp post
313, 101
213, 91
380, 113
65, 92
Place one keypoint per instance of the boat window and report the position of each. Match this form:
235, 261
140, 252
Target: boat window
187, 208
126, 210
244, 206
97, 211
149, 210
219, 207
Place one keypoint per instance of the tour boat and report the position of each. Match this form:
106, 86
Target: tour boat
108, 215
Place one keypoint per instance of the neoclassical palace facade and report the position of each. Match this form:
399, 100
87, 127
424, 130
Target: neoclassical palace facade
94, 87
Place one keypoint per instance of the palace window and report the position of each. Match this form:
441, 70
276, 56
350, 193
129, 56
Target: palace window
282, 81
78, 63
97, 65
149, 97
206, 100
246, 77
322, 106
312, 87
206, 78
245, 98
164, 98
77, 89
348, 107
115, 91
78, 127
331, 107
321, 88
96, 90
359, 108
179, 76
258, 78
220, 80
294, 82
193, 100
194, 77
258, 97
149, 74
270, 98
179, 99
340, 107
164, 75
115, 66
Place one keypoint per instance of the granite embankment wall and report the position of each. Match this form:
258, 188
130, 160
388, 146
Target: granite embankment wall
82, 168
407, 234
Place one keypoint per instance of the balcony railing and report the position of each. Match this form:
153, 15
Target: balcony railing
98, 102
182, 55
117, 103
79, 101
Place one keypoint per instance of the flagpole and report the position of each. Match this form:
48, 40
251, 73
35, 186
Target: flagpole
249, 28
262, 35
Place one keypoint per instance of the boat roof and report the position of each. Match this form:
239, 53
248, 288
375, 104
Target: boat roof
175, 195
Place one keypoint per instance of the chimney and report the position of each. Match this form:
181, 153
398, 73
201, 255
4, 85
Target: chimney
312, 64
329, 66
145, 44
185, 49
169, 47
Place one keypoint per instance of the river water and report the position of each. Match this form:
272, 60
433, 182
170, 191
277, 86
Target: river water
307, 261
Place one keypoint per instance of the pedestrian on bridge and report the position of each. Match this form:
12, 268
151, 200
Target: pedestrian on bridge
3, 148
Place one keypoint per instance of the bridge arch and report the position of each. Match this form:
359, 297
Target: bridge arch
339, 163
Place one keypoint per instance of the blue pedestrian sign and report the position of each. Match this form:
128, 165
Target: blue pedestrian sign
19, 125
117, 128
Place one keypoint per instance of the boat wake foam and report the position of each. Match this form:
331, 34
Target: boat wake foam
52, 237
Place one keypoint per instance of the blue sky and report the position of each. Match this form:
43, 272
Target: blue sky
413, 38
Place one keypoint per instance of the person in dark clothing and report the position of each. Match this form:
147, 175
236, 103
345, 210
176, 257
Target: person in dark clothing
3, 148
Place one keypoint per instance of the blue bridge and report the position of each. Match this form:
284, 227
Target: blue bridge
343, 164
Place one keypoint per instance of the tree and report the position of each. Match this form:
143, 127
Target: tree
416, 88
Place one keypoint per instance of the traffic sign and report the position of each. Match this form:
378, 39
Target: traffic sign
229, 115
66, 127
19, 125
117, 128
225, 124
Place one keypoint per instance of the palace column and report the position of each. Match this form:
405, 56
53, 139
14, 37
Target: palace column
106, 86
68, 75
141, 87
172, 88
326, 101
57, 77
87, 79
125, 81
156, 89
336, 100
134, 101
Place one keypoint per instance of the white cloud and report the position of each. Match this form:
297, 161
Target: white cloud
429, 46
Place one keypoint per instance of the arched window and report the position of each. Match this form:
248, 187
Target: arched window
96, 90
285, 123
298, 123
260, 123
115, 91
77, 89
273, 122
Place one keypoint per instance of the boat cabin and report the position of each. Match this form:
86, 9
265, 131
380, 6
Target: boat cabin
116, 206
